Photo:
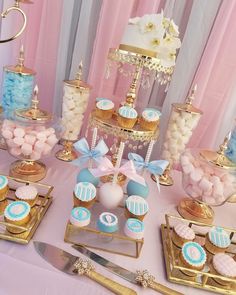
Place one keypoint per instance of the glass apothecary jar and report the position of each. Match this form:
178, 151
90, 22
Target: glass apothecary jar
209, 178
18, 82
31, 135
74, 105
183, 120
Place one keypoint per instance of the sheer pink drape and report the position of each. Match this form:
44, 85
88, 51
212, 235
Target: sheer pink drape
40, 41
216, 76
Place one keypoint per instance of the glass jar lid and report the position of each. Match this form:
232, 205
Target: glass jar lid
20, 68
218, 158
77, 82
34, 113
187, 106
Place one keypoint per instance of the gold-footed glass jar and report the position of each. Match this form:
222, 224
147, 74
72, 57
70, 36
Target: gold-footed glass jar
30, 136
209, 178
75, 101
183, 120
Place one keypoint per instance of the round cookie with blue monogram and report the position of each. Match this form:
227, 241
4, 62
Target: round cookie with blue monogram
128, 112
136, 207
80, 216
3, 187
194, 256
84, 194
217, 240
17, 211
151, 114
134, 228
107, 222
104, 104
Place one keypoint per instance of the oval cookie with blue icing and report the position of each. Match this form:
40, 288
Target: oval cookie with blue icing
134, 228
107, 222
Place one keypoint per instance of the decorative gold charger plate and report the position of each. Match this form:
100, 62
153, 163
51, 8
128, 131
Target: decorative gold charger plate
37, 212
203, 279
91, 237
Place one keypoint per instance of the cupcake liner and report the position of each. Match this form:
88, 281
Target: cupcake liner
104, 114
79, 203
23, 222
148, 125
128, 215
3, 205
126, 122
212, 248
3, 193
31, 202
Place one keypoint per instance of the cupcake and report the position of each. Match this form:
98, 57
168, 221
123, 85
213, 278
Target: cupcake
107, 222
80, 216
27, 193
181, 234
224, 265
134, 228
127, 117
84, 194
104, 108
150, 119
217, 240
192, 256
3, 187
136, 207
17, 213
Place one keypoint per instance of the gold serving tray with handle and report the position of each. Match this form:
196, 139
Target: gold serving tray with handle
37, 212
204, 279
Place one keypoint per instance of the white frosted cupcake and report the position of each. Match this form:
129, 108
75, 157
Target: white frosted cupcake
27, 193
134, 228
17, 213
84, 194
150, 119
136, 207
127, 117
80, 216
224, 265
182, 233
104, 108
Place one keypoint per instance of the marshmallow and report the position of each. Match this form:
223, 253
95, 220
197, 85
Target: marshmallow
7, 134
19, 132
18, 141
30, 139
26, 149
52, 140
15, 151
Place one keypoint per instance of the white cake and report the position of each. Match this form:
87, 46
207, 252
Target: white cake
152, 35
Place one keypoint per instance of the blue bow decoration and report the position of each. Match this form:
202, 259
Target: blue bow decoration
95, 154
156, 167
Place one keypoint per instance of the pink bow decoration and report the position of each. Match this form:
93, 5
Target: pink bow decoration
106, 167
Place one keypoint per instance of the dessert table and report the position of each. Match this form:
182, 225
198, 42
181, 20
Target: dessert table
23, 271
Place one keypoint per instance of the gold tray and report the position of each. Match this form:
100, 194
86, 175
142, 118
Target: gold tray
204, 279
37, 212
91, 237
111, 127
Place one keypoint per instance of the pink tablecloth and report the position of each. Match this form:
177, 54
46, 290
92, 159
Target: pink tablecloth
24, 272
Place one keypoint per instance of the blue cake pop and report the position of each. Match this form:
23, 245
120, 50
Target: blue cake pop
135, 188
86, 176
231, 148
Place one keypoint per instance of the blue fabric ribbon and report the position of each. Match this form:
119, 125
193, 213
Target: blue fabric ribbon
95, 154
156, 167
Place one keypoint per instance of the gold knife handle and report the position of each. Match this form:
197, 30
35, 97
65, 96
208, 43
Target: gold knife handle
111, 285
163, 289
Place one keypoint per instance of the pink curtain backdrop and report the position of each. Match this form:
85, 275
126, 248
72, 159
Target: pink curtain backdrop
216, 76
114, 17
40, 41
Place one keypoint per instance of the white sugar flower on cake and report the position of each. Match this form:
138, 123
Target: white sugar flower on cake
153, 35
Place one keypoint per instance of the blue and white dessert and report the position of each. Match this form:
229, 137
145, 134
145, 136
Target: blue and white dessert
86, 176
217, 240
134, 228
231, 147
135, 188
128, 112
193, 255
104, 104
136, 207
107, 222
151, 114
3, 187
80, 216
17, 210
84, 194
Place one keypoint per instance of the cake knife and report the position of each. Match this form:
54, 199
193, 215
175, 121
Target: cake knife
142, 278
73, 265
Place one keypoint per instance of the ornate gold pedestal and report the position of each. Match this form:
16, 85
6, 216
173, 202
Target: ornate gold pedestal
195, 210
28, 170
68, 153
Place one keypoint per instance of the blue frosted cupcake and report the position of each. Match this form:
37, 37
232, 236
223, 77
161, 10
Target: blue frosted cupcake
136, 207
134, 228
80, 216
104, 108
107, 222
217, 240
84, 194
127, 117
150, 119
